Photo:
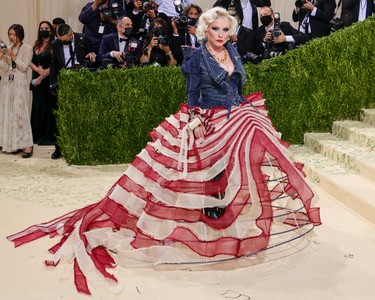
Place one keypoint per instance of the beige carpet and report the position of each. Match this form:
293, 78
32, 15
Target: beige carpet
335, 262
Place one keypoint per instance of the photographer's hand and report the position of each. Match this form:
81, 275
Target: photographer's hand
153, 43
268, 36
308, 5
117, 55
91, 56
280, 39
137, 5
174, 27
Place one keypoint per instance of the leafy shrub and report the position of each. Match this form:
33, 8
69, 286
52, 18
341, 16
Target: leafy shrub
104, 117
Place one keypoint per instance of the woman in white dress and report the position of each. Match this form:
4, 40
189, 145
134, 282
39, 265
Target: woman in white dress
15, 127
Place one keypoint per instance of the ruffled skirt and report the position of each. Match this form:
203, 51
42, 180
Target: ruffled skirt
235, 193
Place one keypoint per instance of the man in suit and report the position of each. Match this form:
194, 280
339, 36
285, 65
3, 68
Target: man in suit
270, 44
184, 33
70, 50
313, 17
99, 18
119, 48
247, 10
244, 39
356, 10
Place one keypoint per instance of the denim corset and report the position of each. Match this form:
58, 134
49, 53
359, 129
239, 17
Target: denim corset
208, 84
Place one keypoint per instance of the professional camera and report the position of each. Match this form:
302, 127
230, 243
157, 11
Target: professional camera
128, 61
114, 9
336, 24
159, 34
252, 57
183, 22
178, 6
270, 53
3, 46
300, 3
276, 31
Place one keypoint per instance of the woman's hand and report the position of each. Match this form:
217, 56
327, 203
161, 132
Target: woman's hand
200, 132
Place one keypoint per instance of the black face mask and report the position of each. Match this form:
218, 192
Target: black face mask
128, 31
266, 20
44, 33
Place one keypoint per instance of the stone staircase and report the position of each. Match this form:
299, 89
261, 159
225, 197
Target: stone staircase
343, 162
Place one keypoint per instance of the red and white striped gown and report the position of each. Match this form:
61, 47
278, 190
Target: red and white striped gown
154, 213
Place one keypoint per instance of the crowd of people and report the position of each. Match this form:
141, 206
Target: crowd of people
124, 34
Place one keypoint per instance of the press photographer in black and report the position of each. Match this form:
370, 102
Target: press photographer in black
156, 46
99, 18
184, 29
120, 49
274, 37
313, 17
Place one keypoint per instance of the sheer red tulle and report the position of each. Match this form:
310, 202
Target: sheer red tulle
241, 166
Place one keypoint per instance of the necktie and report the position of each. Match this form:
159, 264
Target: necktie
72, 54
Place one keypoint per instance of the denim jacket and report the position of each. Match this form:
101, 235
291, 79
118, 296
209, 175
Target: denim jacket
208, 85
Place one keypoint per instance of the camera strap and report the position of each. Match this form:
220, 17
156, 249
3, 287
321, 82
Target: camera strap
337, 8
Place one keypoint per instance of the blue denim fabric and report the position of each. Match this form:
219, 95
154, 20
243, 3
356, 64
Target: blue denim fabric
208, 84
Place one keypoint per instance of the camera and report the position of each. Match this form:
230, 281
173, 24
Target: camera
182, 21
147, 6
252, 57
3, 46
276, 31
159, 34
178, 6
113, 10
300, 3
336, 24
270, 53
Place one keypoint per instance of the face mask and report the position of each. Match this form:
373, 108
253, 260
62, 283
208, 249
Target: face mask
44, 33
128, 31
266, 20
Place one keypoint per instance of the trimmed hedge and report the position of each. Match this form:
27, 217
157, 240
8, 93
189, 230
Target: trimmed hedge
104, 117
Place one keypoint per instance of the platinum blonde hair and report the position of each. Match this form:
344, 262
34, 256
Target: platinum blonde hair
210, 16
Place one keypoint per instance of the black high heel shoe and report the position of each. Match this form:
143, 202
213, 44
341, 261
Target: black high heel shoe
28, 154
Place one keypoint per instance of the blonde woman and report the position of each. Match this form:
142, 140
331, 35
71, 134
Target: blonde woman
202, 190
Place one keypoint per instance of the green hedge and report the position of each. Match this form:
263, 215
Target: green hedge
104, 117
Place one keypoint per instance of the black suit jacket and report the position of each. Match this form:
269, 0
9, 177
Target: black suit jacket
245, 40
287, 29
320, 22
238, 7
110, 42
350, 10
82, 47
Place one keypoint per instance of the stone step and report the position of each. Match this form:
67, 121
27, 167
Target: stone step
368, 116
343, 184
357, 132
343, 152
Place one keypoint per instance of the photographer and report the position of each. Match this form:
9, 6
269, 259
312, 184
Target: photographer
143, 14
184, 29
244, 39
274, 36
247, 10
313, 17
99, 18
120, 49
156, 49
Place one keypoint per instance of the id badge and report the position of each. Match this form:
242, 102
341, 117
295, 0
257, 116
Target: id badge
11, 77
101, 29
